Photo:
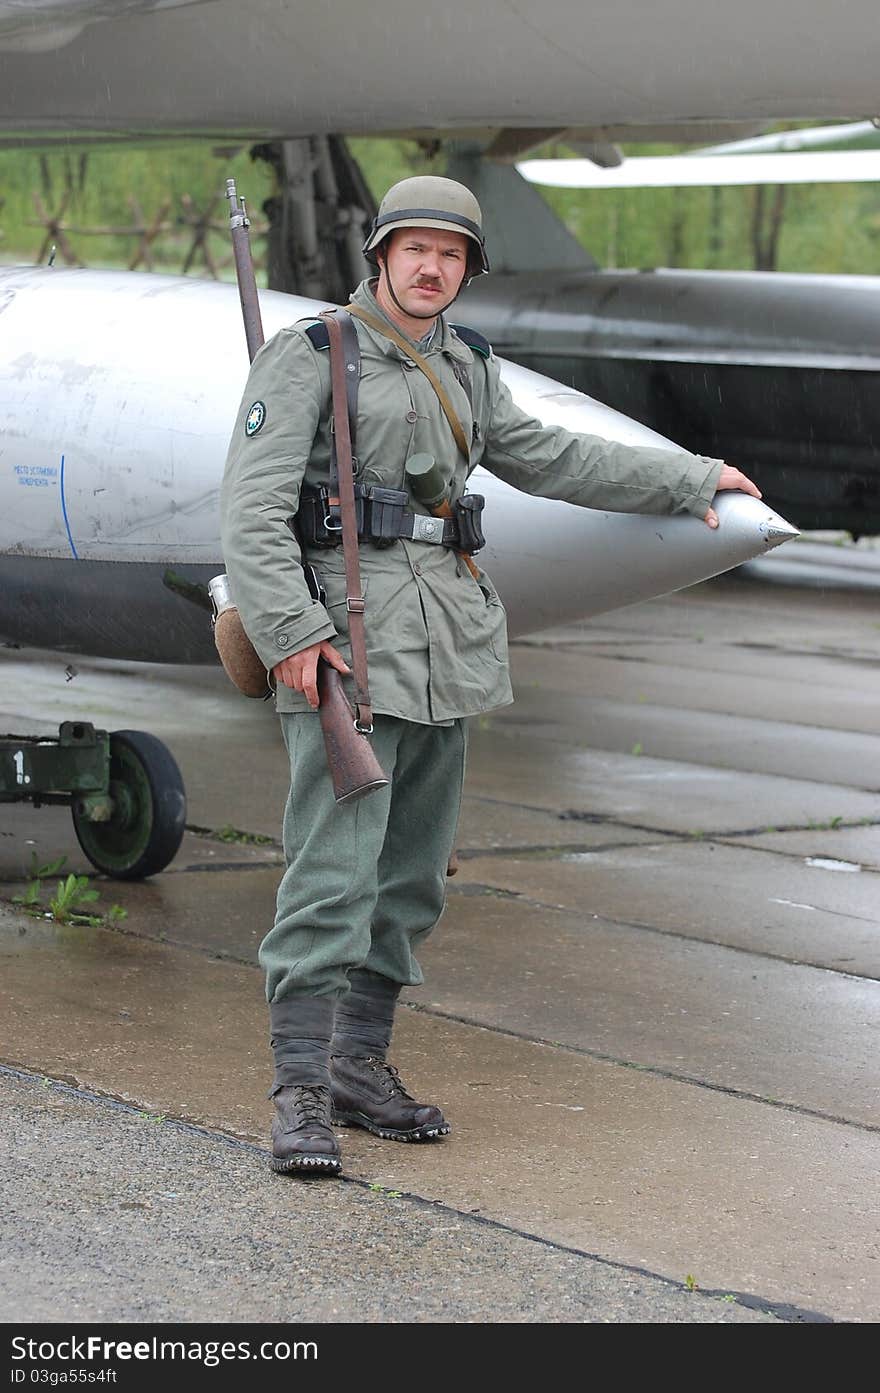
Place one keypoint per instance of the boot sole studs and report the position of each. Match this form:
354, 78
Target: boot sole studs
315, 1165
418, 1134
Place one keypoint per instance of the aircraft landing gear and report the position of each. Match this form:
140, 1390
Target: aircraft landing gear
124, 790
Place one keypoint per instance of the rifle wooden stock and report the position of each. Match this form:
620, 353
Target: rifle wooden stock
354, 768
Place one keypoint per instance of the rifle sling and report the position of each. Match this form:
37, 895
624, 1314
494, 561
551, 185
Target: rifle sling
411, 353
354, 599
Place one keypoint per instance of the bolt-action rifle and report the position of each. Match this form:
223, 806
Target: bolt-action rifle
353, 766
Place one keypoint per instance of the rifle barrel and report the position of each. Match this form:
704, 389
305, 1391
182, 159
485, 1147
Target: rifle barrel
244, 272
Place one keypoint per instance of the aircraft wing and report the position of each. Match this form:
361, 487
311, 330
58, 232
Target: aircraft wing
271, 68
847, 135
680, 171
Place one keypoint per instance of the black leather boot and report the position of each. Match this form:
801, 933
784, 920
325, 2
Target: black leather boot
367, 1092
302, 1136
302, 1139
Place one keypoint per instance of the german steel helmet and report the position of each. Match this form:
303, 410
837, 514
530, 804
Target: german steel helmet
429, 201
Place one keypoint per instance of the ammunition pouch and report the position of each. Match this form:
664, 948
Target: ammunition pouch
383, 517
318, 521
385, 513
468, 512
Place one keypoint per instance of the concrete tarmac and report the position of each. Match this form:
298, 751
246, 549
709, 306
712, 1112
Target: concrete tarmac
650, 1011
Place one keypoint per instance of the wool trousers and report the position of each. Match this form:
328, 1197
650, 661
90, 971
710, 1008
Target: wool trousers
364, 883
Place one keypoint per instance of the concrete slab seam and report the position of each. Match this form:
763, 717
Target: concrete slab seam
497, 892
653, 1069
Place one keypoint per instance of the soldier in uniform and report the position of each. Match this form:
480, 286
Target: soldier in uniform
366, 883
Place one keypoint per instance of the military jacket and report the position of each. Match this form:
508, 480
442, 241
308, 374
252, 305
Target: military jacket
436, 635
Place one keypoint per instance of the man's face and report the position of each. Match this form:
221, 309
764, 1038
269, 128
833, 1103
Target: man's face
426, 268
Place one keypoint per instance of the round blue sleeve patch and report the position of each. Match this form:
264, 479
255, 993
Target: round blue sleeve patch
255, 419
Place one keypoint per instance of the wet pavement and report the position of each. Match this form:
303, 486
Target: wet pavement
651, 1010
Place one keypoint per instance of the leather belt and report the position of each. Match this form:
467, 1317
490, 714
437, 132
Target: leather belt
411, 527
381, 520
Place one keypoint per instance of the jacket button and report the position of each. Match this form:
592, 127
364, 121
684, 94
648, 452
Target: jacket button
282, 640
411, 417
417, 568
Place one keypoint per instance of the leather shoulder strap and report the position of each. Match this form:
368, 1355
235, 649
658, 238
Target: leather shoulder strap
458, 430
319, 337
354, 598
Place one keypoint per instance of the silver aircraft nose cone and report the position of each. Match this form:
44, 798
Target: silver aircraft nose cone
778, 531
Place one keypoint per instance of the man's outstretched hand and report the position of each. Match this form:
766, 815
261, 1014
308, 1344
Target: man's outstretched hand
731, 478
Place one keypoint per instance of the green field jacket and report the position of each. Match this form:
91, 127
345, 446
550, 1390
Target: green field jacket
436, 636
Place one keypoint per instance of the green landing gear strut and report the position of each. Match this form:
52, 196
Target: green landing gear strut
124, 790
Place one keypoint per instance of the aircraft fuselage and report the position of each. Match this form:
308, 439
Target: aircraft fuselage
780, 374
118, 394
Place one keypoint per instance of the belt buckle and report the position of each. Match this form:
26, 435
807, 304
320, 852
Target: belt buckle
427, 529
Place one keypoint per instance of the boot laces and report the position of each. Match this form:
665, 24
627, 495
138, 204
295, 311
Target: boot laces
311, 1102
390, 1077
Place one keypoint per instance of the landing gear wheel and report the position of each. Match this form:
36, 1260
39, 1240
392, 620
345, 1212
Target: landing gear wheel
149, 810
